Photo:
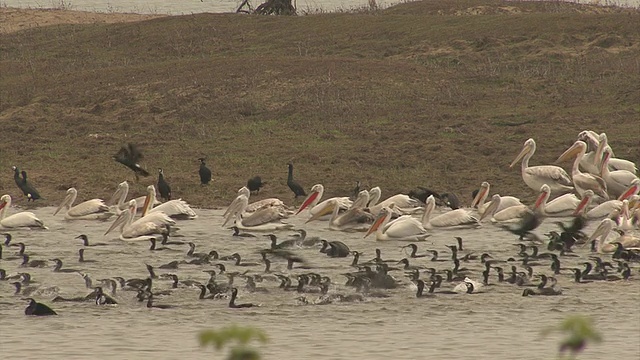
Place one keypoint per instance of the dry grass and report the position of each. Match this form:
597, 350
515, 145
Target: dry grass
437, 93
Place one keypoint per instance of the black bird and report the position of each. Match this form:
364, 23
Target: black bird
255, 183
150, 304
422, 193
81, 256
85, 241
27, 189
205, 173
163, 186
38, 309
529, 222
451, 200
129, 156
232, 301
104, 299
293, 185
355, 191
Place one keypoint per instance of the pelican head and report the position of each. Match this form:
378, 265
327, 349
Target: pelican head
382, 215
633, 190
605, 227
578, 147
120, 195
589, 137
583, 206
362, 200
315, 194
331, 205
528, 149
482, 194
545, 192
491, 209
149, 199
72, 193
5, 200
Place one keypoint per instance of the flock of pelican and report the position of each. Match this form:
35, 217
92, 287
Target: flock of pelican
599, 186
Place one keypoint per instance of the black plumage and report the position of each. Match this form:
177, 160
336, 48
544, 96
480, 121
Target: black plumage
422, 193
27, 189
129, 156
255, 183
163, 186
529, 222
355, 191
205, 173
297, 189
38, 309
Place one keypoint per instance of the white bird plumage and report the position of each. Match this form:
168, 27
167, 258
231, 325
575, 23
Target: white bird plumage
94, 209
24, 219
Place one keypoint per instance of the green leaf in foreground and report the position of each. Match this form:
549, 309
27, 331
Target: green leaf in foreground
243, 335
579, 330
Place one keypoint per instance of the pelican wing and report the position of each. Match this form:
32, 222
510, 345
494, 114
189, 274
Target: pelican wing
157, 217
263, 216
354, 216
263, 204
403, 227
622, 177
554, 173
604, 209
454, 218
511, 213
141, 229
622, 164
176, 208
562, 204
590, 182
88, 207
22, 219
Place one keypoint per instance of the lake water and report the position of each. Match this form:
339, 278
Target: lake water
497, 324
212, 6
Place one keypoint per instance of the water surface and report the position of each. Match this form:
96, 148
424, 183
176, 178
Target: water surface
499, 324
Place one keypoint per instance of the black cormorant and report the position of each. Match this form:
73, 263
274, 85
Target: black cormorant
205, 173
129, 156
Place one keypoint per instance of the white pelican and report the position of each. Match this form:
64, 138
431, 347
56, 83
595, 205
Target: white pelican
403, 203
94, 209
479, 200
603, 230
23, 219
118, 200
354, 219
625, 220
450, 219
313, 199
404, 228
583, 181
256, 205
178, 209
590, 162
266, 219
602, 210
535, 176
564, 205
510, 214
138, 230
614, 163
618, 181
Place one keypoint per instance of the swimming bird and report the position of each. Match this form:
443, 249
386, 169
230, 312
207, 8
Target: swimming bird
141, 229
297, 189
38, 309
175, 209
317, 208
583, 181
414, 250
265, 219
528, 292
163, 186
24, 219
232, 301
118, 201
204, 172
150, 303
58, 267
404, 228
32, 263
236, 232
94, 209
403, 204
354, 219
85, 241
562, 206
535, 176
450, 219
238, 262
27, 189
282, 245
81, 257
129, 156
617, 181
104, 299
479, 200
255, 184
335, 248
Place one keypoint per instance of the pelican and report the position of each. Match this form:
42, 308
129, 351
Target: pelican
618, 181
178, 209
589, 162
625, 220
403, 203
510, 214
267, 219
603, 230
118, 202
602, 210
404, 228
450, 219
354, 219
138, 230
614, 163
257, 205
583, 181
505, 201
23, 219
564, 205
535, 176
94, 209
314, 197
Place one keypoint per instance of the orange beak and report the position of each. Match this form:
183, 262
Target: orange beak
627, 194
376, 224
308, 201
147, 199
581, 206
540, 199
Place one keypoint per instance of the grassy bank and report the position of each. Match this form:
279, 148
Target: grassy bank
437, 93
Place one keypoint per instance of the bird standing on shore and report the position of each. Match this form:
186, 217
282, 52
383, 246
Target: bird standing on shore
297, 189
205, 173
27, 189
129, 156
163, 186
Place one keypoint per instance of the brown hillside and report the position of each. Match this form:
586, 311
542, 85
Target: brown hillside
435, 93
